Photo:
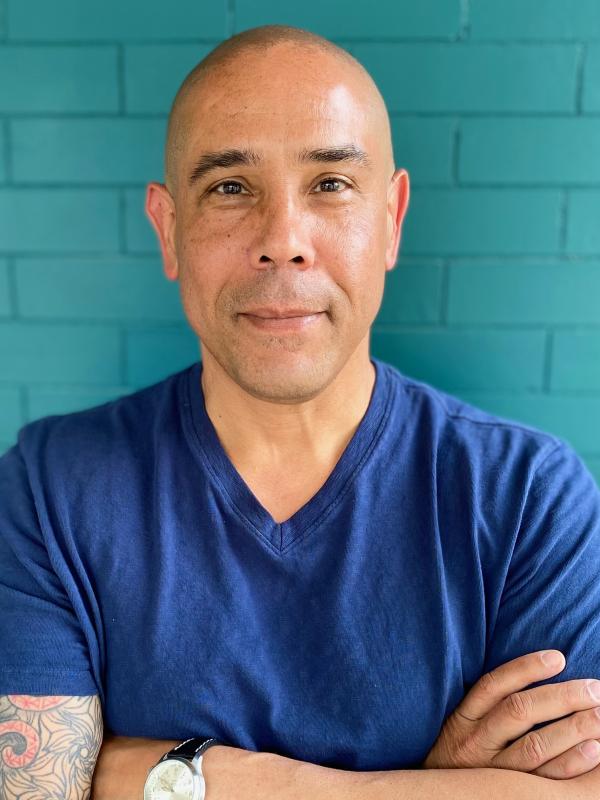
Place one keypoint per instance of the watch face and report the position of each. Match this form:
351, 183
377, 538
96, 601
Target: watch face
171, 780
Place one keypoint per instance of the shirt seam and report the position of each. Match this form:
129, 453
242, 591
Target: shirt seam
488, 423
346, 487
49, 671
196, 444
326, 512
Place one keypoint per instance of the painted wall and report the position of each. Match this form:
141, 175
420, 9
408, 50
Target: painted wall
496, 116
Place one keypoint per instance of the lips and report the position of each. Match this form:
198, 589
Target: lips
278, 313
282, 325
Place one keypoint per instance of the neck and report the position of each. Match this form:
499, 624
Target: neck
280, 435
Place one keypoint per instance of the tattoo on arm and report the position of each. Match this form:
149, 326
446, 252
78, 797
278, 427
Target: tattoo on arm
48, 746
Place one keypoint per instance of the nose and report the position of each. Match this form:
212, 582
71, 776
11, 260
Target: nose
283, 235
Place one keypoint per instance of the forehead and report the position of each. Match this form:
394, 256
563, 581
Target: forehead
270, 109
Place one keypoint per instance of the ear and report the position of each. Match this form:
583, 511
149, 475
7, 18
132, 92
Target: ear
160, 210
398, 195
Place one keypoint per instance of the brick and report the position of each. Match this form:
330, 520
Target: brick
3, 154
573, 418
591, 83
58, 79
43, 400
38, 353
593, 464
508, 293
412, 294
88, 150
530, 19
576, 360
583, 230
154, 354
153, 74
111, 19
554, 151
5, 305
11, 417
465, 359
35, 220
424, 148
337, 18
140, 235
97, 289
473, 221
472, 77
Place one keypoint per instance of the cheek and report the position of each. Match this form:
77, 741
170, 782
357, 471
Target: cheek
360, 269
205, 253
357, 228
200, 276
348, 245
357, 247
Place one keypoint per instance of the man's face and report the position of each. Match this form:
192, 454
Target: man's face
281, 232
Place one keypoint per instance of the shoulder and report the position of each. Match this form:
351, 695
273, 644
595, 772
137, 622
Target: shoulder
69, 446
464, 435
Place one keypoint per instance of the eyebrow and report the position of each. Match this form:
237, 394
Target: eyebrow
229, 158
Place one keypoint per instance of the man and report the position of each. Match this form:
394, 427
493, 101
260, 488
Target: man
289, 546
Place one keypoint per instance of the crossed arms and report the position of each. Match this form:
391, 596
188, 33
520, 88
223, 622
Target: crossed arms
54, 747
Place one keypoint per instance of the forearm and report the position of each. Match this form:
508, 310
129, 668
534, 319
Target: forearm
232, 772
454, 784
123, 764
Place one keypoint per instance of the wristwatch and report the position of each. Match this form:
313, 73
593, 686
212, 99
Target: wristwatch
178, 774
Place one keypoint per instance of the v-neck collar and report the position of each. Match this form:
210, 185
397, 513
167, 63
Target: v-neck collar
280, 535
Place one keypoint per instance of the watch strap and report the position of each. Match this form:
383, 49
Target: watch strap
191, 747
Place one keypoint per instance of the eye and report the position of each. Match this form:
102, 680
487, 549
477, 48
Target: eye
234, 184
331, 180
235, 187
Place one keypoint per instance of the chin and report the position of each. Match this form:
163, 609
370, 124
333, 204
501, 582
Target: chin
282, 383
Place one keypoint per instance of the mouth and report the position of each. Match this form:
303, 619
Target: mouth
298, 322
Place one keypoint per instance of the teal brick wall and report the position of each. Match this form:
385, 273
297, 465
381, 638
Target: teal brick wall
495, 111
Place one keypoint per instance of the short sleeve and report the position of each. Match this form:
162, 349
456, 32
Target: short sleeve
42, 646
551, 596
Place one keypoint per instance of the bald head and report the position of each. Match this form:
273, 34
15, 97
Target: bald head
231, 53
281, 194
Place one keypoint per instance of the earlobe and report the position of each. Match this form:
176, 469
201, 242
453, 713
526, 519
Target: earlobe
398, 197
160, 210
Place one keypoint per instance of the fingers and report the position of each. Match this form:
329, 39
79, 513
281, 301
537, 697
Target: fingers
554, 751
518, 712
499, 683
572, 763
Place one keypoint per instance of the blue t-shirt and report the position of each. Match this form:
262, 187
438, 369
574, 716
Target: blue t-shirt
135, 563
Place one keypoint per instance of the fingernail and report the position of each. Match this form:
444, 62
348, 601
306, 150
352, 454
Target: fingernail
593, 688
590, 749
551, 658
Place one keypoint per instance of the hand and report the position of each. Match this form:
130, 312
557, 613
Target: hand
486, 729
